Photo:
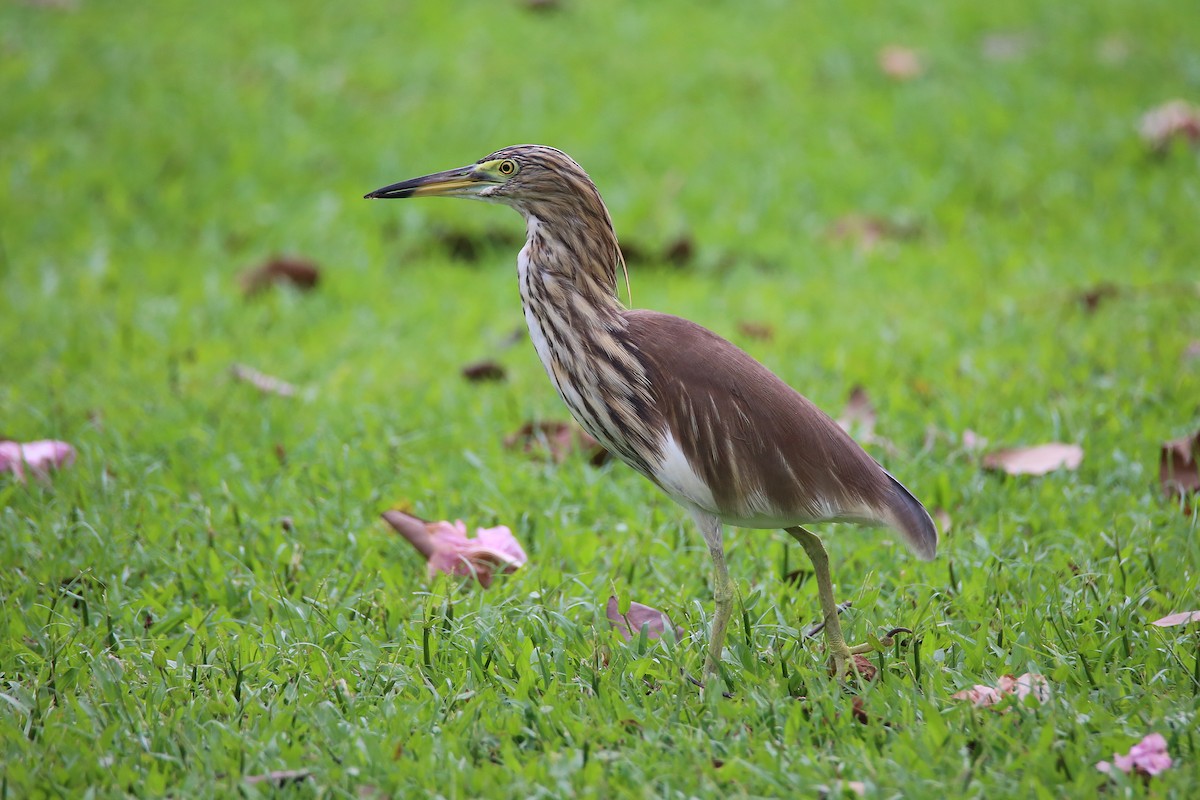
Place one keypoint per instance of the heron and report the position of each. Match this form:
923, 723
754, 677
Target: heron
713, 428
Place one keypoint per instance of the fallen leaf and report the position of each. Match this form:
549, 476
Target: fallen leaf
679, 252
40, 457
1179, 467
1036, 460
867, 671
858, 420
1029, 684
261, 381
1182, 618
470, 245
900, 63
980, 695
280, 777
1162, 125
447, 548
632, 252
639, 616
756, 330
557, 439
484, 371
1091, 298
297, 272
1147, 758
858, 416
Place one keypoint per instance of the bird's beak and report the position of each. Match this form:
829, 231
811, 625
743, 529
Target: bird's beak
461, 182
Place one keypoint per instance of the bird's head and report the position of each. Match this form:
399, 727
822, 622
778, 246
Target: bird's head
522, 176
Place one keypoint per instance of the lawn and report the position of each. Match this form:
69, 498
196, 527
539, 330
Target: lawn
206, 602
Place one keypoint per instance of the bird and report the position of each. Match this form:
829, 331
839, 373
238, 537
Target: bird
713, 428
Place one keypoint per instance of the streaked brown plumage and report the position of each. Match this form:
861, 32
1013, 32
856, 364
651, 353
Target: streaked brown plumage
712, 427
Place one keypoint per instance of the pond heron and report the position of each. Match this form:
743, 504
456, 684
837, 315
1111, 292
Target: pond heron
707, 423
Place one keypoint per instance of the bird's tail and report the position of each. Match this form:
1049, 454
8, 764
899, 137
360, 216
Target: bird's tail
910, 518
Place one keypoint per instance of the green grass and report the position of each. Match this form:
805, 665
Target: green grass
163, 632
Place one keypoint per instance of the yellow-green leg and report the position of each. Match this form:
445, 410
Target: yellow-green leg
710, 526
841, 654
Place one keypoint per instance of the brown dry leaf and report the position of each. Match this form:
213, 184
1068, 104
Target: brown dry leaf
557, 440
1037, 460
867, 671
632, 252
481, 371
1179, 467
859, 415
679, 252
261, 381
756, 330
280, 777
297, 272
1162, 125
630, 625
1182, 618
900, 63
1091, 298
858, 420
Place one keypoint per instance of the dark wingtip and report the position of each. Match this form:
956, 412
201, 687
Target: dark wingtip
912, 520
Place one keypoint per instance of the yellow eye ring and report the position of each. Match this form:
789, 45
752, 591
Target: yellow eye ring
507, 167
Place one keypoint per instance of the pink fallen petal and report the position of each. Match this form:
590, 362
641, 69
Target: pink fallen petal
639, 616
972, 440
1148, 757
1028, 684
267, 384
1173, 120
41, 457
1182, 618
448, 549
493, 550
981, 696
1036, 460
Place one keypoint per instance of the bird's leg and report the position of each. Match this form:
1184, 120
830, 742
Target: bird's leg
841, 654
710, 526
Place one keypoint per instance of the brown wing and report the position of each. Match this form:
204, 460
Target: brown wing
763, 449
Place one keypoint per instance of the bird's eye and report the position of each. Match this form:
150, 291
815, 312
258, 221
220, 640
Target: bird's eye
507, 167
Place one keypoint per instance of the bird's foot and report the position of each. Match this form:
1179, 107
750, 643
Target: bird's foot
846, 661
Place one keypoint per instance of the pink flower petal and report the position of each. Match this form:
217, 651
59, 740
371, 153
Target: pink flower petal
1148, 757
493, 550
1182, 618
980, 695
41, 457
1028, 684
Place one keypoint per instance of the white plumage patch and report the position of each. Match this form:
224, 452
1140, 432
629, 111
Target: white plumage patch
677, 478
